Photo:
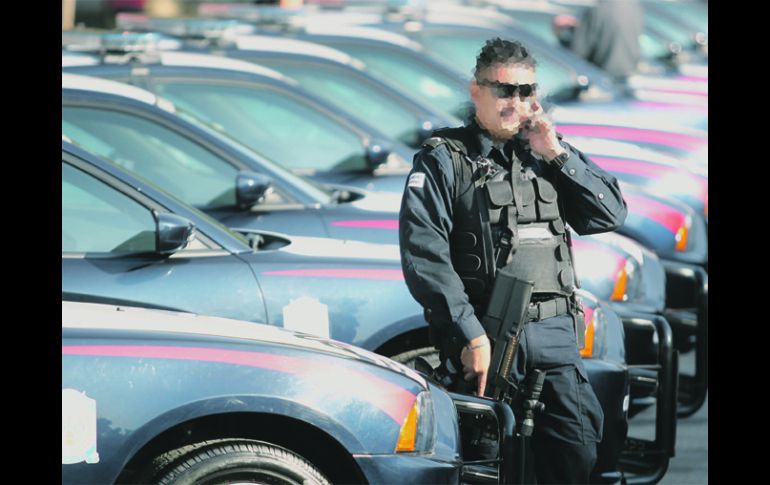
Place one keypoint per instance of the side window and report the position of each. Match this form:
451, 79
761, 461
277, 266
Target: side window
154, 152
272, 123
98, 219
354, 94
431, 85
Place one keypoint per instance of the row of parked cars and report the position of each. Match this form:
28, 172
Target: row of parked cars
221, 178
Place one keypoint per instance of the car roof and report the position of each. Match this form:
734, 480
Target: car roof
291, 46
175, 58
90, 83
365, 33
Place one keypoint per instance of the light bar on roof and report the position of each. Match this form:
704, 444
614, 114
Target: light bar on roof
184, 27
252, 13
124, 42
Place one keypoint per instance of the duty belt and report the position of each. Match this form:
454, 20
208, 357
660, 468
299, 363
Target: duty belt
546, 309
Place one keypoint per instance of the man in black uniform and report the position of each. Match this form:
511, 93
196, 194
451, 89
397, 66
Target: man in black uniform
497, 192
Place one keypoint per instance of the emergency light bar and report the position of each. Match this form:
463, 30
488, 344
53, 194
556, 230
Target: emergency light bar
109, 42
259, 14
187, 28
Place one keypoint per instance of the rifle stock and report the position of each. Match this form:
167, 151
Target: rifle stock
505, 317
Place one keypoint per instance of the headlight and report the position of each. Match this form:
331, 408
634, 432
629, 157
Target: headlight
418, 431
681, 234
596, 325
627, 281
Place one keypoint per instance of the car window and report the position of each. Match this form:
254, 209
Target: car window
462, 49
432, 86
276, 124
669, 28
98, 219
355, 95
154, 152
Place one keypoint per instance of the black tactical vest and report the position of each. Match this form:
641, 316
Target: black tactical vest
504, 218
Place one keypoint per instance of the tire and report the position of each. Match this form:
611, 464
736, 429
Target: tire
428, 354
234, 460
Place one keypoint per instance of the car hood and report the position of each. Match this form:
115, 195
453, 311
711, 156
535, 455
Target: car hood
100, 317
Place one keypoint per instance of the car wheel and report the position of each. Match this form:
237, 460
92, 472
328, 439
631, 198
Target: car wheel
235, 460
418, 358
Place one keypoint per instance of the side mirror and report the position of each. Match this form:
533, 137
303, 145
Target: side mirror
377, 152
251, 188
173, 232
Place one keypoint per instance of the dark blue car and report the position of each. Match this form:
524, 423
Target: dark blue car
267, 112
210, 172
153, 396
125, 242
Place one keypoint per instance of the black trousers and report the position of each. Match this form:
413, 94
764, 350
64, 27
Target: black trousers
566, 433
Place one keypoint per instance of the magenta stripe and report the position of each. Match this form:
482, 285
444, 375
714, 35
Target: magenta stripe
687, 91
354, 273
580, 246
663, 214
677, 140
669, 106
393, 400
373, 224
651, 170
697, 79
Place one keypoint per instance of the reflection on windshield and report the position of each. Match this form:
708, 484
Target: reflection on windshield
312, 189
271, 122
354, 94
154, 152
462, 49
410, 73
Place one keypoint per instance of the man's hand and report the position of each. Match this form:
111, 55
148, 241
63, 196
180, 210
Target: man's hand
541, 134
475, 358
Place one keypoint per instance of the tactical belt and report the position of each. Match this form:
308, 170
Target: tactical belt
549, 308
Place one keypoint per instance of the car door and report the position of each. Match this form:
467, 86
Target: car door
108, 253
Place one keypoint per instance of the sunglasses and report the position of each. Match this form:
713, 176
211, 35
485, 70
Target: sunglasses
505, 90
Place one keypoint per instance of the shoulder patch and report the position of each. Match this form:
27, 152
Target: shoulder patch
417, 179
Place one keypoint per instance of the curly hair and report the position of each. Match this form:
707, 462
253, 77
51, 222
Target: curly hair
499, 51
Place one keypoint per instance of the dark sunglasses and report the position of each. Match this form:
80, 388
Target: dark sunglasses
505, 90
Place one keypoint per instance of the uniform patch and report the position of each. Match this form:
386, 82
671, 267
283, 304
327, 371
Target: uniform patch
307, 315
417, 179
78, 428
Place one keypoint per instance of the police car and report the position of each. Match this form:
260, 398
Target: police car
125, 242
328, 73
153, 396
263, 110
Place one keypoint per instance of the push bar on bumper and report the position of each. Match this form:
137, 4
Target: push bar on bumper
687, 311
487, 434
646, 461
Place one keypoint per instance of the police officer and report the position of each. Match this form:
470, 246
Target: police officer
497, 192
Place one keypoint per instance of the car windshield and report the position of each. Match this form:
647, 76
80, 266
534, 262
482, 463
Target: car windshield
154, 152
696, 14
271, 122
461, 49
355, 94
668, 28
409, 72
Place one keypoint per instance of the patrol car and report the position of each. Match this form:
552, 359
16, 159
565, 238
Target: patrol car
161, 397
152, 149
125, 242
328, 73
264, 110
